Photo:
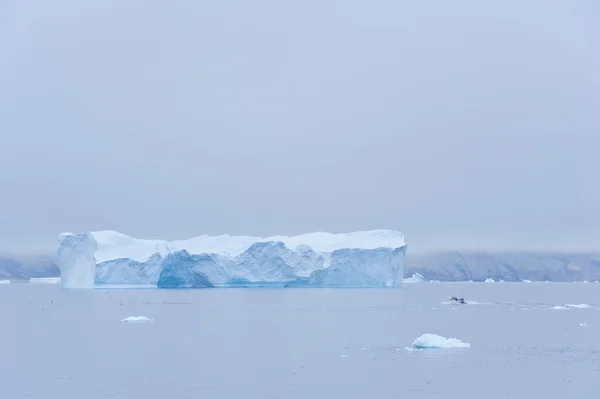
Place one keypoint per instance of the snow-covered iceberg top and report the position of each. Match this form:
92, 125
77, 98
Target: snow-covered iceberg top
114, 245
364, 258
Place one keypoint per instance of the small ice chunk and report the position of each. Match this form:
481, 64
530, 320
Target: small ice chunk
138, 319
44, 280
583, 324
415, 278
579, 306
569, 306
434, 341
489, 280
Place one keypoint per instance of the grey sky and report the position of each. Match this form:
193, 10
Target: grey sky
464, 124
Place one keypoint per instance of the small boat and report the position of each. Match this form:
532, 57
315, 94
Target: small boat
457, 300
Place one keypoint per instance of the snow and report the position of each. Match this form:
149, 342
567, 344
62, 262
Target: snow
138, 319
115, 245
4, 281
415, 278
44, 280
367, 258
434, 341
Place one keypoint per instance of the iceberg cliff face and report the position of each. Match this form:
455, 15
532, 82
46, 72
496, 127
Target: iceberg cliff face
181, 269
362, 259
128, 271
76, 260
381, 267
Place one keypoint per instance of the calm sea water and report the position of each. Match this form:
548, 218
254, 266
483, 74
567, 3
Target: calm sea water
299, 343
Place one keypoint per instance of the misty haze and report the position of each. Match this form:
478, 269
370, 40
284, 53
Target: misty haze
299, 199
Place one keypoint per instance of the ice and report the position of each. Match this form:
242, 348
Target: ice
76, 260
128, 271
138, 319
434, 341
381, 267
415, 278
579, 306
4, 281
571, 306
182, 270
115, 245
583, 324
45, 280
367, 258
489, 280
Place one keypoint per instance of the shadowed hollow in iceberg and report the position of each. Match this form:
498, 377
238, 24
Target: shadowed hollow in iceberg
361, 259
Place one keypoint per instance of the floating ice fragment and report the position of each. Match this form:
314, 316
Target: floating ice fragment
569, 306
580, 306
138, 319
415, 278
44, 280
434, 341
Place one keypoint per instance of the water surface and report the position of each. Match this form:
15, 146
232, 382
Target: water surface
299, 343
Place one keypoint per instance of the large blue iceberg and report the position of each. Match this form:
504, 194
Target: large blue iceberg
361, 259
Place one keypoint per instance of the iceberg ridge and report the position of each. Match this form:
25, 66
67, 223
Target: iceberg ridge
360, 259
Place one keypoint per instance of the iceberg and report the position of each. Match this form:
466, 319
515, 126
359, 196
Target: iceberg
372, 258
4, 281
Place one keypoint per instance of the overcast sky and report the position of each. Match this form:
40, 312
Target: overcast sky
463, 124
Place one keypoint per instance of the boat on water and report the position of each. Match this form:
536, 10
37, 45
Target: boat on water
457, 300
